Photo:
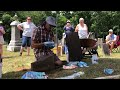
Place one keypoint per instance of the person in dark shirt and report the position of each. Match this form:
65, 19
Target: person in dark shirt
68, 28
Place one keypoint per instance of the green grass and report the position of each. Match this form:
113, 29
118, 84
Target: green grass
14, 66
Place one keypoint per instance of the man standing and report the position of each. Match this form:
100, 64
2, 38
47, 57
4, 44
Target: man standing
44, 34
27, 28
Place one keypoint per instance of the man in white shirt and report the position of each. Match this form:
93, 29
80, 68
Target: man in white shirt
27, 28
111, 39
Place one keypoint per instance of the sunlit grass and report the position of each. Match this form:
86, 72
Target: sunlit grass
14, 66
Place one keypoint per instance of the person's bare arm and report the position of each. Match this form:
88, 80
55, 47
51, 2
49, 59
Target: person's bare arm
36, 45
107, 39
87, 29
76, 29
19, 27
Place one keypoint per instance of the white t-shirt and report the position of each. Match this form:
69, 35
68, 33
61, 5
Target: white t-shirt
27, 28
82, 31
112, 37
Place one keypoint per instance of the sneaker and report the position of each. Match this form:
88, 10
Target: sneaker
20, 54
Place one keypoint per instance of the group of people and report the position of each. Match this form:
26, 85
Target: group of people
81, 28
46, 33
34, 36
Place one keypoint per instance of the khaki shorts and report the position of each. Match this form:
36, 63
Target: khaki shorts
1, 40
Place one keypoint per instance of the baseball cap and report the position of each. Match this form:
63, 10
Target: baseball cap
51, 20
110, 30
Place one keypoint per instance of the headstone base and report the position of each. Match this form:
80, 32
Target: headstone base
13, 48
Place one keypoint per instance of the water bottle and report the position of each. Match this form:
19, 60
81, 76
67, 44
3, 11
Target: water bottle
94, 59
0, 67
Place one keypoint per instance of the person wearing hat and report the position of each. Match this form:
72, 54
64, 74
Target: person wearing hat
111, 40
68, 29
82, 29
43, 33
27, 28
2, 31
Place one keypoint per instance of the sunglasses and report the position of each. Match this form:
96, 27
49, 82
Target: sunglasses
28, 19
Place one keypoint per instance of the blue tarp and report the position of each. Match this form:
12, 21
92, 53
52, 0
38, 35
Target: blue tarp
34, 75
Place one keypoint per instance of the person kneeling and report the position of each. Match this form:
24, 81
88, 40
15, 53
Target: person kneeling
42, 35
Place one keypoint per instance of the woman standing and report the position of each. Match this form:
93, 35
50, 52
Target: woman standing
27, 28
82, 29
2, 31
68, 29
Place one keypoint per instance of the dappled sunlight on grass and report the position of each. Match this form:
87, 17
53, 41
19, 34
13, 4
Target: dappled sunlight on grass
12, 60
14, 66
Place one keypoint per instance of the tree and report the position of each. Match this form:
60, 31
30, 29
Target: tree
97, 21
6, 18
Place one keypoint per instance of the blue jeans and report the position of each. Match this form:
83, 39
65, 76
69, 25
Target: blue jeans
26, 41
66, 49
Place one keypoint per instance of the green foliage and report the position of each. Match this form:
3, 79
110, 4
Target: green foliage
6, 18
105, 20
61, 22
97, 21
14, 66
36, 16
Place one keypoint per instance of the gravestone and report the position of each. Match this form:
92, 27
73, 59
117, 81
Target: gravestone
105, 49
45, 63
100, 42
74, 47
15, 43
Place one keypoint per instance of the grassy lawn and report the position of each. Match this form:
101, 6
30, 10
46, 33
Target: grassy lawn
14, 66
